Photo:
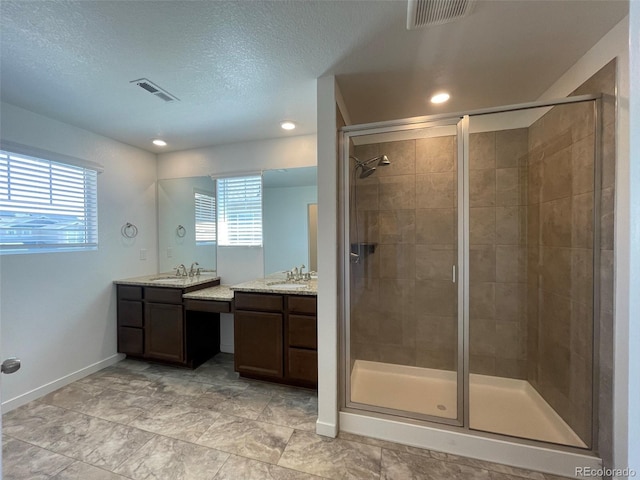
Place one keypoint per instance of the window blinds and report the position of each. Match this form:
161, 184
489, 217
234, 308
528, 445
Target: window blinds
205, 218
240, 211
46, 205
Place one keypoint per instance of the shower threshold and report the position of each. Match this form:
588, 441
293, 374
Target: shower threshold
498, 405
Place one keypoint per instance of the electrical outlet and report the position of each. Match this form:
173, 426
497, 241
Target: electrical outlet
169, 252
143, 254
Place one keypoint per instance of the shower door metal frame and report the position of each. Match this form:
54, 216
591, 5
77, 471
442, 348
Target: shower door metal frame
461, 133
462, 120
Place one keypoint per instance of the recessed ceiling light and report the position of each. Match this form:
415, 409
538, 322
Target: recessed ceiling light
440, 97
288, 125
160, 143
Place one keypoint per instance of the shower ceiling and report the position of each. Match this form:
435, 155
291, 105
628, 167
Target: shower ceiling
239, 68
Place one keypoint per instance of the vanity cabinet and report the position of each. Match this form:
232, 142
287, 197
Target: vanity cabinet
153, 324
302, 344
130, 320
258, 348
275, 337
164, 329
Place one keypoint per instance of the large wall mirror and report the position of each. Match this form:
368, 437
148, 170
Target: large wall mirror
289, 220
181, 237
286, 223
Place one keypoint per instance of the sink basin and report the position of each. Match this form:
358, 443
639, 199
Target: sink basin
168, 280
287, 286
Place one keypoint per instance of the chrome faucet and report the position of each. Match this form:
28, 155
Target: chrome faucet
297, 274
194, 269
181, 270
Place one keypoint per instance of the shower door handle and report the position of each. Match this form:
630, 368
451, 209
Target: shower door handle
453, 274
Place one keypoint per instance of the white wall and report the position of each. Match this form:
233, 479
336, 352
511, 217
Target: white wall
327, 423
239, 264
286, 226
58, 310
286, 152
629, 441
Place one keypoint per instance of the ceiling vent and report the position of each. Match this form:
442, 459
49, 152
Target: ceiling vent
154, 89
423, 13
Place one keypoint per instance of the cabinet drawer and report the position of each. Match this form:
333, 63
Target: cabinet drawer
303, 365
129, 313
302, 304
130, 340
128, 292
213, 306
163, 295
258, 301
302, 331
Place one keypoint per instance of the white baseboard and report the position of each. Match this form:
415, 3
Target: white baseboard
326, 429
224, 348
36, 393
543, 459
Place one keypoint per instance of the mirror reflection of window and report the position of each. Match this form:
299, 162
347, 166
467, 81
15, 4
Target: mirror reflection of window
240, 211
205, 217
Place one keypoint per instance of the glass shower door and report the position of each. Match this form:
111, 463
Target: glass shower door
533, 191
403, 339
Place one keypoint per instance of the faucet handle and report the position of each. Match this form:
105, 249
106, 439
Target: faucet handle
193, 268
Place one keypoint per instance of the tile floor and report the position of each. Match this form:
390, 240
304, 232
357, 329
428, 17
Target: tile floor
142, 421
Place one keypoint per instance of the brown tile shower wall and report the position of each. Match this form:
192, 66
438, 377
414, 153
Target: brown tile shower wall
497, 256
404, 304
560, 261
605, 82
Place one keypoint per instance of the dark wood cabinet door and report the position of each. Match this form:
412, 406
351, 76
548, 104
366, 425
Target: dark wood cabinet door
303, 365
258, 343
164, 332
130, 341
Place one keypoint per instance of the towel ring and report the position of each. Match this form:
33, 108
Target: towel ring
181, 231
129, 230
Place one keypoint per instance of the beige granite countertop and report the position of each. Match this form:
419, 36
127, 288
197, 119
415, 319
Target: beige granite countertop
221, 293
271, 285
168, 280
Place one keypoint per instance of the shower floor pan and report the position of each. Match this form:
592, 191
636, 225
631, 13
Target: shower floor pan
498, 405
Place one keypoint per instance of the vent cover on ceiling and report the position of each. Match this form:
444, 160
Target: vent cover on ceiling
154, 89
422, 13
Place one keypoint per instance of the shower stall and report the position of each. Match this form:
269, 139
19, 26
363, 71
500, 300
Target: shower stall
470, 250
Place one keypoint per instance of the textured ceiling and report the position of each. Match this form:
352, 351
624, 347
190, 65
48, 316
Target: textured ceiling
239, 68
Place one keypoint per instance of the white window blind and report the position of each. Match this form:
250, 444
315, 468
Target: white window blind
205, 218
240, 211
46, 205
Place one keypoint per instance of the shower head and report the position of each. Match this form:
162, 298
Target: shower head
382, 160
366, 171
